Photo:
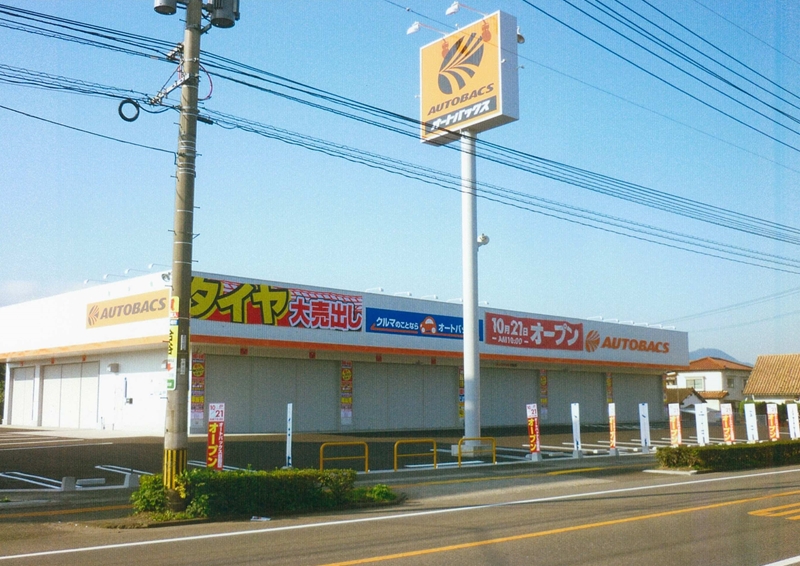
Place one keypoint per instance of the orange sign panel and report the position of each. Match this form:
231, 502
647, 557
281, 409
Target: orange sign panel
468, 79
134, 308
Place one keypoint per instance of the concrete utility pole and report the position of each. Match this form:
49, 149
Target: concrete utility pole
176, 434
222, 14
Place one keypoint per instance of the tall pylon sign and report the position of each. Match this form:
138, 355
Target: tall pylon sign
468, 84
468, 80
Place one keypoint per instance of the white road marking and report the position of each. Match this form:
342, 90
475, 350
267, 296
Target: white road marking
397, 516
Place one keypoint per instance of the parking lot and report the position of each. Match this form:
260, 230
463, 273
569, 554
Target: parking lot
40, 459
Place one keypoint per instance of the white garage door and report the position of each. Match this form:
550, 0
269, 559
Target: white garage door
69, 395
404, 396
256, 391
584, 388
504, 394
22, 396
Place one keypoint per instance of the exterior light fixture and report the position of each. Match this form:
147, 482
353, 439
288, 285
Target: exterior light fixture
456, 6
416, 26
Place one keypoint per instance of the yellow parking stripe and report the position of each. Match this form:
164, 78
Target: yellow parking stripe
575, 471
573, 528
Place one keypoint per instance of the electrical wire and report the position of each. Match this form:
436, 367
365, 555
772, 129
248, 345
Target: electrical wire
504, 156
499, 154
665, 81
737, 306
507, 197
89, 132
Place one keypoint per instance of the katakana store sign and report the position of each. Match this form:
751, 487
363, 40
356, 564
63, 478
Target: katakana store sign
252, 303
468, 79
533, 333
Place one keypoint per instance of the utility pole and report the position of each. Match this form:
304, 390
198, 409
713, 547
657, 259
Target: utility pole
176, 427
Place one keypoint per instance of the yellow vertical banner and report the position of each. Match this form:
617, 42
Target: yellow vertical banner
543, 394
172, 347
612, 426
346, 393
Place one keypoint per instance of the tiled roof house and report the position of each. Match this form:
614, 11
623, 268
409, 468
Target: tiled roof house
775, 378
716, 379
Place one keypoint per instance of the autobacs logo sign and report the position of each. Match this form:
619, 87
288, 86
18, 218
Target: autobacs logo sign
593, 342
135, 308
464, 78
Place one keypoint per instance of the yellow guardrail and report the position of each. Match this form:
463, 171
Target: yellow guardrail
364, 456
414, 441
480, 439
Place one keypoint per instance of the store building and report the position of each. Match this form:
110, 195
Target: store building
347, 361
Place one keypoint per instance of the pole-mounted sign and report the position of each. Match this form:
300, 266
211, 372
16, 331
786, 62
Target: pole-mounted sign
468, 79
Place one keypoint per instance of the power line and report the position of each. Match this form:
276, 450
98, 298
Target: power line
543, 167
737, 306
547, 168
694, 62
722, 51
84, 131
511, 198
720, 16
661, 79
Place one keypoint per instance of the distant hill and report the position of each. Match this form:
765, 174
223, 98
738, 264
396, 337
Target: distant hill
711, 353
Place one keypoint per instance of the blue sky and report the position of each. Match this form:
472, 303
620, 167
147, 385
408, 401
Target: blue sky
77, 207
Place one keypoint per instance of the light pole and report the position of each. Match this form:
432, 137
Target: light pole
469, 274
223, 13
468, 84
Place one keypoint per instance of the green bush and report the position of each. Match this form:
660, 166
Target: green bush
209, 493
151, 495
723, 457
380, 493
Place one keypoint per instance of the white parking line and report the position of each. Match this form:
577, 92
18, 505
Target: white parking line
37, 441
786, 562
56, 446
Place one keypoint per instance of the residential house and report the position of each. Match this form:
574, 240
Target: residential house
775, 379
716, 379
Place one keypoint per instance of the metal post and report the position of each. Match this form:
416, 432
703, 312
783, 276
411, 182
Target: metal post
176, 437
469, 266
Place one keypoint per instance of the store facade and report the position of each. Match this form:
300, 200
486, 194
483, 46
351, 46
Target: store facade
347, 361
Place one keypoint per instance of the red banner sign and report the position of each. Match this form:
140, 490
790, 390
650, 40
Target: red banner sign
216, 435
675, 432
728, 434
248, 303
772, 422
533, 428
539, 334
